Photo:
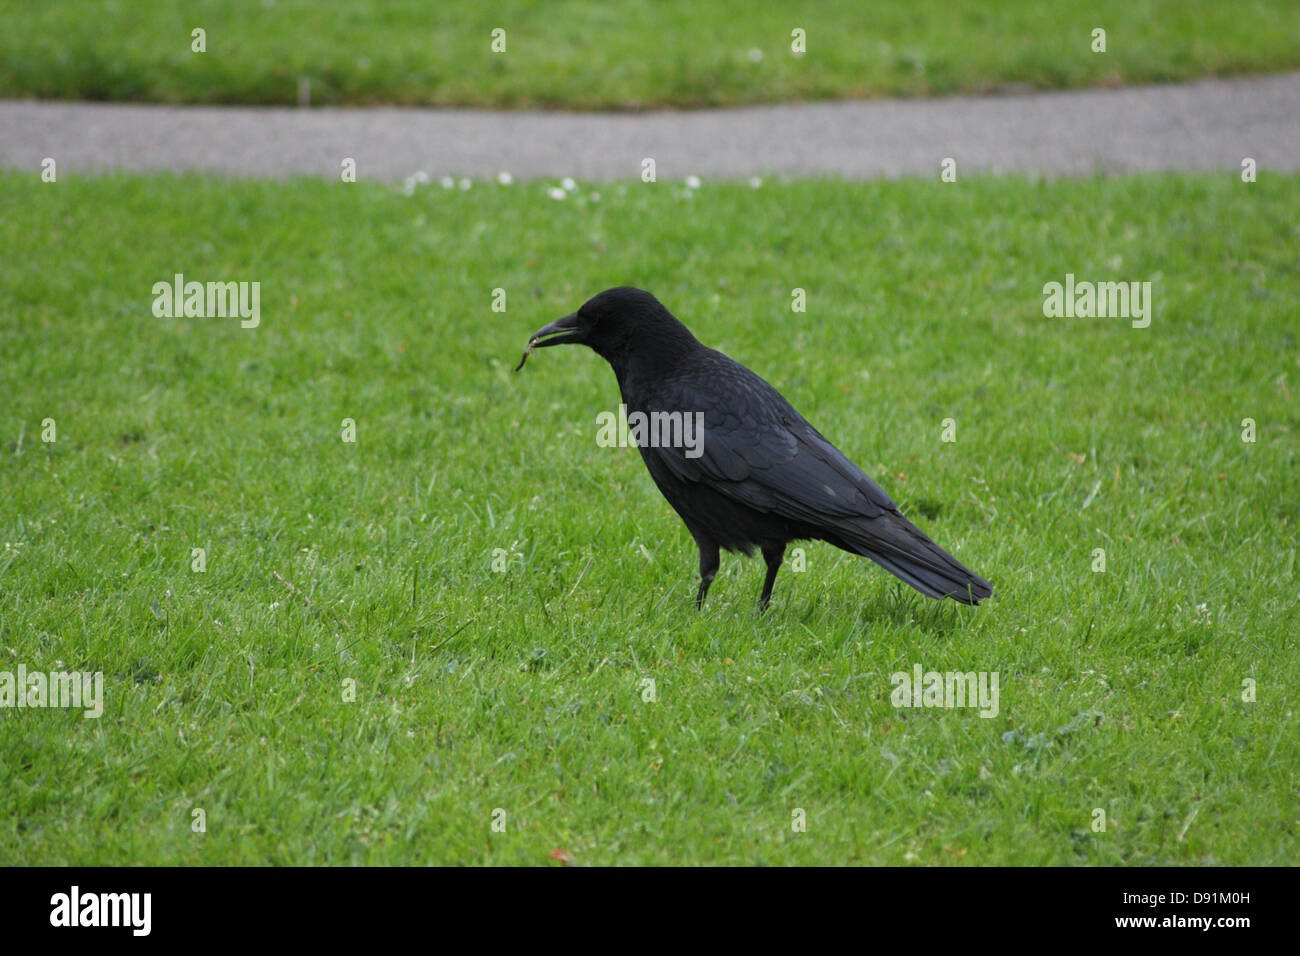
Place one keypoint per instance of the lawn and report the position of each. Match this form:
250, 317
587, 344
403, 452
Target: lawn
350, 681
635, 55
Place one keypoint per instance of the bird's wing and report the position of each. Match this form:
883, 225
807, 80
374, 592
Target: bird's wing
759, 451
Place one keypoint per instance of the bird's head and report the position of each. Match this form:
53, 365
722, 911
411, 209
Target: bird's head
617, 324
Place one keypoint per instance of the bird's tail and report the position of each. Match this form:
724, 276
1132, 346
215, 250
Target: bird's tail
902, 549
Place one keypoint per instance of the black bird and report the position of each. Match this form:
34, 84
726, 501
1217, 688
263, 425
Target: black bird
762, 476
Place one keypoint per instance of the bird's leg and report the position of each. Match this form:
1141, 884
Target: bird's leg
773, 555
708, 568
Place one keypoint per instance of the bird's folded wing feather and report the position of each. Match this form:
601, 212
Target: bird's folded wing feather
764, 454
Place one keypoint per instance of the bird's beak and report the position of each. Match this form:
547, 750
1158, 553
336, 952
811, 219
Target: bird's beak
559, 332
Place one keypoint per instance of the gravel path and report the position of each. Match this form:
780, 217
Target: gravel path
1209, 125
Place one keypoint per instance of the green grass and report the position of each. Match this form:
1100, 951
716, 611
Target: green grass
475, 690
580, 55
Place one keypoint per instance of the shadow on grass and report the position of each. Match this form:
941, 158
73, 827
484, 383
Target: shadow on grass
899, 607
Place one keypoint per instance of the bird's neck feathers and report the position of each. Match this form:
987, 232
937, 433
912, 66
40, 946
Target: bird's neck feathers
656, 348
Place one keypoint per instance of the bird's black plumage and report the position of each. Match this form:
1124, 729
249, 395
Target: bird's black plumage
762, 476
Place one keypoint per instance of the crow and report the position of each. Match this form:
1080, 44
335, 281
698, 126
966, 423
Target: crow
762, 476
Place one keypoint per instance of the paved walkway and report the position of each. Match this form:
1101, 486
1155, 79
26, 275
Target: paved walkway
1209, 125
